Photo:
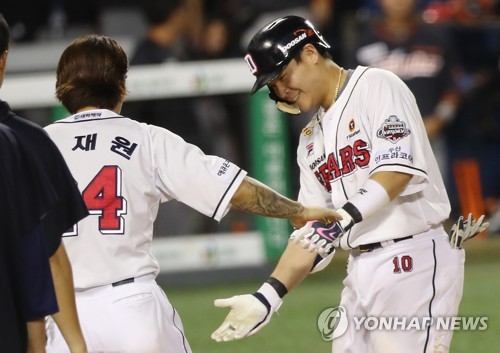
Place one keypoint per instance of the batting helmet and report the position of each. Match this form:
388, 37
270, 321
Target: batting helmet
275, 45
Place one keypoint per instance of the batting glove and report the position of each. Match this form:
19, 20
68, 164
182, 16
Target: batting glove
463, 230
321, 238
322, 262
249, 313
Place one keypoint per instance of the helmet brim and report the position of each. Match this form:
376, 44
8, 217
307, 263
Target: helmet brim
263, 80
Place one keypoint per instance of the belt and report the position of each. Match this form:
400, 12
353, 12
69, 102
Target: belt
123, 281
374, 246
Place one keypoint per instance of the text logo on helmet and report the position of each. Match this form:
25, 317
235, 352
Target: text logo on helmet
305, 33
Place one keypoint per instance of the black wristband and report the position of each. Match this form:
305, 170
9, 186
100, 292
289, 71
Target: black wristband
353, 212
278, 286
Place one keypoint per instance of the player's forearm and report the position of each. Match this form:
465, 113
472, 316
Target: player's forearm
294, 265
67, 318
36, 336
254, 197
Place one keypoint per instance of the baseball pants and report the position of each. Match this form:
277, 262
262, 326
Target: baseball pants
417, 279
133, 317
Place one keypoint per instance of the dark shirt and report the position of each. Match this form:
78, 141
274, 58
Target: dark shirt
424, 60
24, 263
148, 52
69, 207
40, 201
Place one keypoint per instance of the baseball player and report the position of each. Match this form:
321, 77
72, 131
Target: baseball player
366, 154
124, 169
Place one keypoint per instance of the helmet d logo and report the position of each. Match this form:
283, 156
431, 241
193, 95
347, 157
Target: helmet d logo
251, 64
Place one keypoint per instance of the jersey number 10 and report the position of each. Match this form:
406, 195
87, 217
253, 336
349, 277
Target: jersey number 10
103, 198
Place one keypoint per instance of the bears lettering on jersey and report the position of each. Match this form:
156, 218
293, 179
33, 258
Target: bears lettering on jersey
328, 169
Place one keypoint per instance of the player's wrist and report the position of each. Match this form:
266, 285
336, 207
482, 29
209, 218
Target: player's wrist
278, 286
349, 215
268, 295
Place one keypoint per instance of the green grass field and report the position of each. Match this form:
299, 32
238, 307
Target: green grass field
294, 328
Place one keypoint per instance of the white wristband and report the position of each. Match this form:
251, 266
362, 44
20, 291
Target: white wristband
370, 198
271, 295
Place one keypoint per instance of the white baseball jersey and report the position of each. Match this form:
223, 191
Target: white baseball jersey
124, 169
375, 125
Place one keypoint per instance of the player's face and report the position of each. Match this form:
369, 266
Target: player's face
294, 85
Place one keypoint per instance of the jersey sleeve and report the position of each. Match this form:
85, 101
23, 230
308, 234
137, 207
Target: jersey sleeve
398, 133
183, 172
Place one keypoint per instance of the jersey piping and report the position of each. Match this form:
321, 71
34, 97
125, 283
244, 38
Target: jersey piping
398, 164
337, 141
433, 293
224, 196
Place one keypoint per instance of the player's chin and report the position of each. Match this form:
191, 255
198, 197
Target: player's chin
304, 106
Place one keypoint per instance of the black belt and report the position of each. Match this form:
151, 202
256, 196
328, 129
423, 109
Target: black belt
374, 246
123, 281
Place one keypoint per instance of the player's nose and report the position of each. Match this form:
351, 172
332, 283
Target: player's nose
281, 91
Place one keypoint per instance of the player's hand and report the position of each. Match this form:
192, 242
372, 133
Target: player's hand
468, 229
315, 213
316, 236
321, 238
249, 313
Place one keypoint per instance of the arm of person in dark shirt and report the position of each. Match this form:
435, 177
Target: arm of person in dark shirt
67, 317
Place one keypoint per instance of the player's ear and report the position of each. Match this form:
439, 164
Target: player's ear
310, 53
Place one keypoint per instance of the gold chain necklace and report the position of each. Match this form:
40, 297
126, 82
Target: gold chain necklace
307, 131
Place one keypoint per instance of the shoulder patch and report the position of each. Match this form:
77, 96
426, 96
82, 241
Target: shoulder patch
393, 129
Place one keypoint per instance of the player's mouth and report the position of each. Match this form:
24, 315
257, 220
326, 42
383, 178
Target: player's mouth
295, 99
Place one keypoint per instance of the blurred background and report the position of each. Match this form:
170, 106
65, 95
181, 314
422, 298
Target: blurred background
188, 75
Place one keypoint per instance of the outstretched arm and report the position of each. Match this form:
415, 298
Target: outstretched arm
294, 266
255, 197
251, 312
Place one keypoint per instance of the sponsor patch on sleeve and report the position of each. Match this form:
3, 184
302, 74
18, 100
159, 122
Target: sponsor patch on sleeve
393, 129
393, 153
223, 169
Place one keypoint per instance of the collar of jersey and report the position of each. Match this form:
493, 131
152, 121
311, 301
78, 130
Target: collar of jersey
93, 115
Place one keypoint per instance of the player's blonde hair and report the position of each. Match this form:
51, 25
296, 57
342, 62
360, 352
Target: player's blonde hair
91, 72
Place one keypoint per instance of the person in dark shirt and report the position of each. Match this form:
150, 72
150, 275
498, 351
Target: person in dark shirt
19, 190
423, 56
41, 201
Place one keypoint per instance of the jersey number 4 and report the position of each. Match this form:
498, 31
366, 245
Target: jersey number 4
103, 198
